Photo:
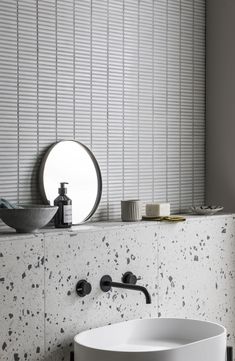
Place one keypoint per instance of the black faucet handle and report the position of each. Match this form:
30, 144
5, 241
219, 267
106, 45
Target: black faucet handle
130, 278
83, 288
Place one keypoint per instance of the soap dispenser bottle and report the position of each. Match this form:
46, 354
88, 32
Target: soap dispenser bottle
63, 217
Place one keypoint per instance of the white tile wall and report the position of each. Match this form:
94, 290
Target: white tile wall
125, 77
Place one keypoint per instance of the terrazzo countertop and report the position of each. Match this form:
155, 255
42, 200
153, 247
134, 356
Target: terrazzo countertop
10, 234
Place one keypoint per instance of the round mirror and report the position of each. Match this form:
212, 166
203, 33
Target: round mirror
72, 162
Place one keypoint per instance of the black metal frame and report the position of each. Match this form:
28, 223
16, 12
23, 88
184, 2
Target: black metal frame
98, 172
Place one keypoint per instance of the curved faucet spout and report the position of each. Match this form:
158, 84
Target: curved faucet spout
106, 284
134, 288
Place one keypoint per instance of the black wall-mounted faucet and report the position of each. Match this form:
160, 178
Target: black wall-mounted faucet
106, 283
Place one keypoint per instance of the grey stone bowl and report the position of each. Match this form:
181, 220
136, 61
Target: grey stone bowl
28, 218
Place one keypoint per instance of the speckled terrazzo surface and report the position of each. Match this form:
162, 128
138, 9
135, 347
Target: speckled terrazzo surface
9, 234
187, 267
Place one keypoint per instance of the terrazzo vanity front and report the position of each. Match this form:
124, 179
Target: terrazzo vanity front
187, 267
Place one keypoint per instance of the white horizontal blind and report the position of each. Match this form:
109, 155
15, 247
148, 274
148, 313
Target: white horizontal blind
160, 92
47, 70
28, 100
115, 101
146, 116
130, 99
99, 84
186, 99
199, 74
125, 77
9, 134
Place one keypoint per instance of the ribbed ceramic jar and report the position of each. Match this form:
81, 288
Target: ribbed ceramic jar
131, 210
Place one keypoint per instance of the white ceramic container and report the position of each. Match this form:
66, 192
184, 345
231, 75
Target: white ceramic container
131, 210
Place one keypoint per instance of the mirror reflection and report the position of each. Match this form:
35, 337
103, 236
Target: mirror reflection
74, 163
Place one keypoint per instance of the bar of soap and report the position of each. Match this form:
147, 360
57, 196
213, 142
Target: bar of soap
158, 209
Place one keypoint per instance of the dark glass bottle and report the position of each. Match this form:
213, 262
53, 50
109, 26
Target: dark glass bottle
63, 217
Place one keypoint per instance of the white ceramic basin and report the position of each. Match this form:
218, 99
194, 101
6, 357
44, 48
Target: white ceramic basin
157, 339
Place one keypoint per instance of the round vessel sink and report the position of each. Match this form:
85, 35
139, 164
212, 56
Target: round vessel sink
157, 339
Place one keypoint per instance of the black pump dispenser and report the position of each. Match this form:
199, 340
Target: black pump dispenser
63, 217
62, 190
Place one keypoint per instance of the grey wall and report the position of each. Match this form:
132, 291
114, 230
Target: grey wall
125, 77
221, 103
